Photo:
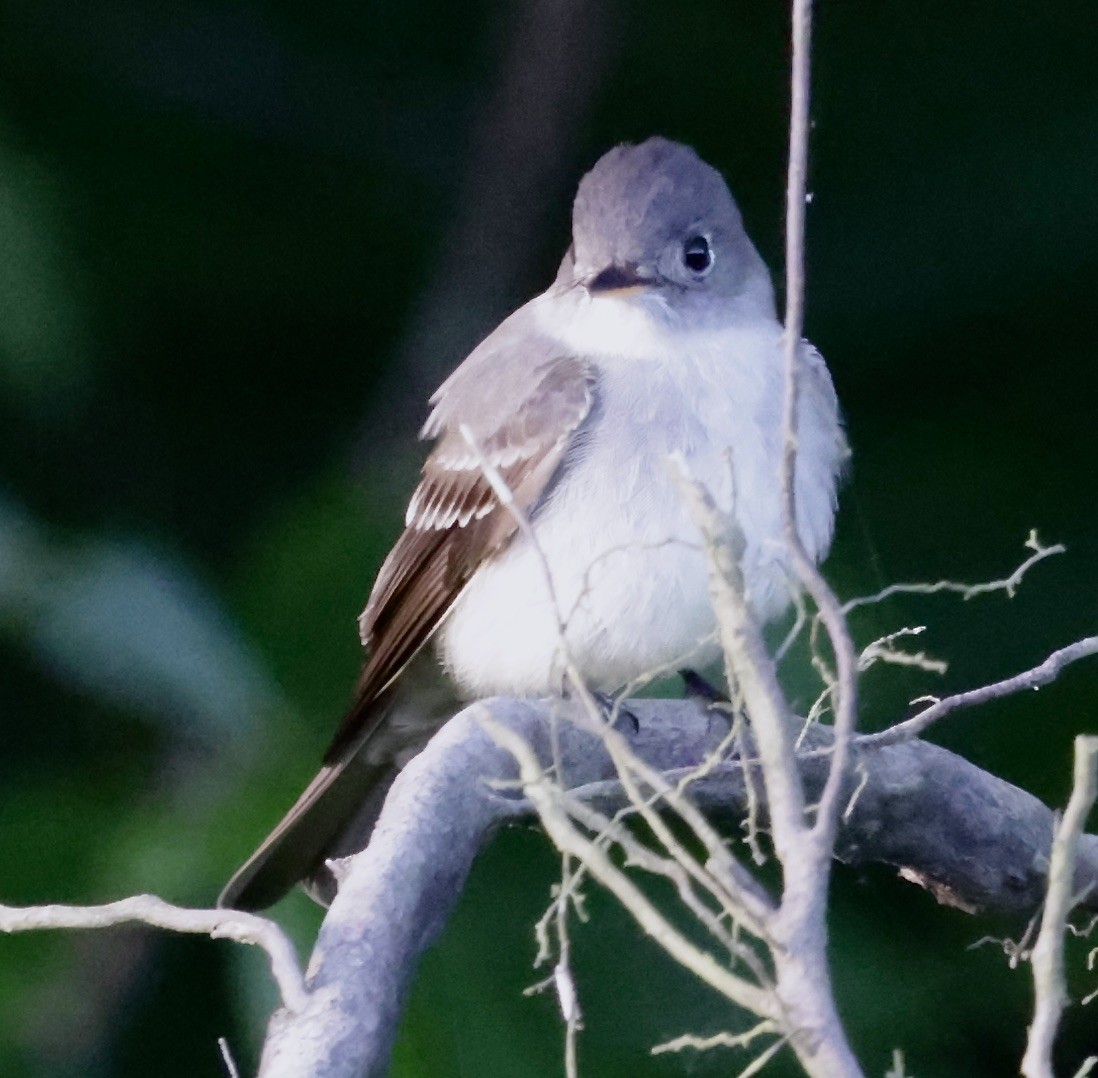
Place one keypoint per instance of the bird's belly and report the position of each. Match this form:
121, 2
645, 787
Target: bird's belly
629, 593
630, 590
623, 604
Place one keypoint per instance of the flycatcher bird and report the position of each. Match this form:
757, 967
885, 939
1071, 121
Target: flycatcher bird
659, 336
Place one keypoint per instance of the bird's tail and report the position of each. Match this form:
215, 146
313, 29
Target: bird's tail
336, 813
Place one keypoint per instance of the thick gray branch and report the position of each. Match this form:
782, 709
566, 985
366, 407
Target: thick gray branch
971, 838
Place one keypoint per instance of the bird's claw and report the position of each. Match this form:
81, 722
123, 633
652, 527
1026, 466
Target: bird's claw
699, 688
615, 712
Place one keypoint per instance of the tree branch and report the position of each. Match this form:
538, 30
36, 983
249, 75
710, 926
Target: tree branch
1042, 674
218, 924
971, 838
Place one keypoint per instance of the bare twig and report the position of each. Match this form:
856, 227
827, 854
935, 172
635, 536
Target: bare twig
1035, 678
882, 650
716, 1040
150, 910
231, 1069
753, 672
898, 1069
761, 1060
561, 980
638, 855
798, 925
1048, 952
1008, 584
547, 799
827, 604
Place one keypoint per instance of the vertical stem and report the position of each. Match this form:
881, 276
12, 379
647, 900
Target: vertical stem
795, 196
804, 981
1048, 952
829, 607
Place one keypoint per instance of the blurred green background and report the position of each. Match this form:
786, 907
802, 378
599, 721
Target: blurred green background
240, 242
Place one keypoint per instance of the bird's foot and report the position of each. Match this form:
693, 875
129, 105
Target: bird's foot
698, 688
615, 712
717, 704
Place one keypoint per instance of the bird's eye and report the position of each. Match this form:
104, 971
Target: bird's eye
696, 255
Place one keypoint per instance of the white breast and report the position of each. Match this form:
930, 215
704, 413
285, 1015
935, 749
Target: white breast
628, 575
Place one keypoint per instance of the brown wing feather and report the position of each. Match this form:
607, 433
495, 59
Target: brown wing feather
455, 522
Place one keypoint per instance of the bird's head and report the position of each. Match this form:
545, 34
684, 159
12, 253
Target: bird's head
654, 224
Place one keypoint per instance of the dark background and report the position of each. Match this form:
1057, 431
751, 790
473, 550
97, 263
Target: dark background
240, 243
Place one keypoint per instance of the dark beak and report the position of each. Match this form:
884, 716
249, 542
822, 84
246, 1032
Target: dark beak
618, 279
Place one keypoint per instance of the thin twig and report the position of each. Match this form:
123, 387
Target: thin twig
898, 1069
882, 650
636, 853
546, 797
716, 1040
231, 1069
827, 604
564, 982
217, 924
1035, 678
1009, 584
1050, 991
747, 911
751, 668
760, 1061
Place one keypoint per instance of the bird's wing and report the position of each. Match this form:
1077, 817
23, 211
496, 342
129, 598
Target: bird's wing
523, 417
818, 391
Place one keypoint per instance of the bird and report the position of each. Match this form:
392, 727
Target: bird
658, 337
